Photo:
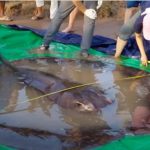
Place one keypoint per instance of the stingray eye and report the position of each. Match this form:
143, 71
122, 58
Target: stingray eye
79, 104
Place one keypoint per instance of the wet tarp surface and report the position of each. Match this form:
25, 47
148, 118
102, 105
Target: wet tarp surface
128, 143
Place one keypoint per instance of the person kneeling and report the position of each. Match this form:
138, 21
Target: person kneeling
142, 34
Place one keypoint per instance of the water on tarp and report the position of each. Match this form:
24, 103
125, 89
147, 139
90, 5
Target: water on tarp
41, 124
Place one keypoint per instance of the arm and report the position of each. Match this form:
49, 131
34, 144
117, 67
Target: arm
138, 27
139, 41
90, 13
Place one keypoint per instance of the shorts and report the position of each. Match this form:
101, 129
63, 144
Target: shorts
132, 3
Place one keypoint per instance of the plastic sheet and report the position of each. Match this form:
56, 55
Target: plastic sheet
128, 143
2, 147
17, 45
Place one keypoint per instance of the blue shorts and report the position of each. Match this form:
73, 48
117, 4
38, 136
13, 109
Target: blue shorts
132, 3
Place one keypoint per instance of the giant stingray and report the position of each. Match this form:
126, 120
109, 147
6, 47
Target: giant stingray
86, 99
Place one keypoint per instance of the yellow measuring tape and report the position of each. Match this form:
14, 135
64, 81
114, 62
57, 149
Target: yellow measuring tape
74, 87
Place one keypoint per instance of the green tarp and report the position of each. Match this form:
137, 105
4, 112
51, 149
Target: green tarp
2, 147
128, 143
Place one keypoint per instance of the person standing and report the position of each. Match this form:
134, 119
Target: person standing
88, 8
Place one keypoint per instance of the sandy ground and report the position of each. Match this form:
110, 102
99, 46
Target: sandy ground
23, 11
107, 27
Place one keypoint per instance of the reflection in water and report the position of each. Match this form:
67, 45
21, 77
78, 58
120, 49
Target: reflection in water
67, 128
38, 139
6, 87
44, 103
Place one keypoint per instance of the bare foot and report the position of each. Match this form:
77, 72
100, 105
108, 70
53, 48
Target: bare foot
5, 18
37, 17
68, 30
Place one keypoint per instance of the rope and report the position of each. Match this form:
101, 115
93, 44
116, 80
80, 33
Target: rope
74, 87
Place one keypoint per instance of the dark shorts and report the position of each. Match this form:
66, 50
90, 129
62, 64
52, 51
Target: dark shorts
132, 3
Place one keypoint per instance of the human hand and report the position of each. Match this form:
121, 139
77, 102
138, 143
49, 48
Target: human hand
91, 13
144, 60
99, 4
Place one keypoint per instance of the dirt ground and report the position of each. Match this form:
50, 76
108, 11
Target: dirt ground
108, 23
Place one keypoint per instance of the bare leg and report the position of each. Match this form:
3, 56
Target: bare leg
72, 18
125, 33
39, 13
3, 17
119, 47
2, 7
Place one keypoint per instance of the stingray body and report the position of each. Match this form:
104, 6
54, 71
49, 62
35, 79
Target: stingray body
84, 99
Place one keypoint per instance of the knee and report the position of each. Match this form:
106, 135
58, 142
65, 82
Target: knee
88, 22
125, 32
